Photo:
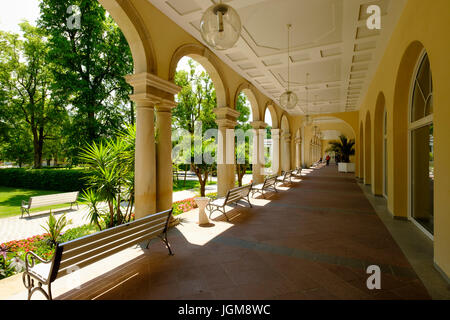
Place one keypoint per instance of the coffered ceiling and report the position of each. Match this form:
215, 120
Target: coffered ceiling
329, 40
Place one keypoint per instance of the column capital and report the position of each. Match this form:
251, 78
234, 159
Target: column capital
258, 125
226, 117
275, 133
151, 89
287, 136
165, 106
226, 113
298, 140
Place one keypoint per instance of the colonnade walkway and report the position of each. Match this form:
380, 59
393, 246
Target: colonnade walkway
312, 240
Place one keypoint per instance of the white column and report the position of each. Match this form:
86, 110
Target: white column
276, 167
226, 168
258, 160
164, 172
153, 183
145, 160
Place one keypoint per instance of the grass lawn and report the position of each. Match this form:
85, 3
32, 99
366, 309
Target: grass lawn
190, 184
11, 200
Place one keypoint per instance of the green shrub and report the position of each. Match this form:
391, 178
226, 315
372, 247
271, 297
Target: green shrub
44, 179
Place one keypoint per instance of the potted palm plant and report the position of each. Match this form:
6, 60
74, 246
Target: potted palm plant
344, 148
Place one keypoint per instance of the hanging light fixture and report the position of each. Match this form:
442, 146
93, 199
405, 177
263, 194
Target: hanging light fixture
288, 100
220, 26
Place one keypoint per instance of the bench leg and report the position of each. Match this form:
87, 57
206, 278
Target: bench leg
166, 242
32, 288
248, 200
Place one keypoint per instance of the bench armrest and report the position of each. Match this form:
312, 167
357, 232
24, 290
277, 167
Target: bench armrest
24, 204
34, 257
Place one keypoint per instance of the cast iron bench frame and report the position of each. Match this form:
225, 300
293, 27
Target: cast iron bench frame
287, 175
233, 196
270, 183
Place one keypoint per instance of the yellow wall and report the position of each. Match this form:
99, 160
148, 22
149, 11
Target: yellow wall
422, 24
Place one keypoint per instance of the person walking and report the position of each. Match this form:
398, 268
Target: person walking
328, 159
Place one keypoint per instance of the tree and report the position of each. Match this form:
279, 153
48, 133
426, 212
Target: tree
89, 62
243, 107
26, 80
344, 148
196, 102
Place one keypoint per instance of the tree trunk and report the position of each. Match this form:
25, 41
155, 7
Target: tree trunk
37, 146
131, 113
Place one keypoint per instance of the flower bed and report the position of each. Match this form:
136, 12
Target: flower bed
12, 253
182, 206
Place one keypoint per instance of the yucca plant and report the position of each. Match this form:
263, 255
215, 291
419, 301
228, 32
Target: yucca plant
344, 148
54, 228
112, 177
93, 200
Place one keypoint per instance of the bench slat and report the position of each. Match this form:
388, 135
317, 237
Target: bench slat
65, 266
68, 254
96, 236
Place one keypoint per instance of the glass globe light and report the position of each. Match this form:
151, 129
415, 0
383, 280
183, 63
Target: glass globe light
220, 26
288, 100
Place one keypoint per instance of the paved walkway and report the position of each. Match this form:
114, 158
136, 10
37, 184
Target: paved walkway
16, 228
312, 240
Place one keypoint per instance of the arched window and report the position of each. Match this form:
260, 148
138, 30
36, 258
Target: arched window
422, 151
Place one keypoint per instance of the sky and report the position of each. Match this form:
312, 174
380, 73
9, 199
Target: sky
12, 12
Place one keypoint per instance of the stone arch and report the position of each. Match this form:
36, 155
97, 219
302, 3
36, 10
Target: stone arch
284, 124
209, 62
249, 92
378, 163
132, 26
368, 150
273, 114
361, 151
400, 116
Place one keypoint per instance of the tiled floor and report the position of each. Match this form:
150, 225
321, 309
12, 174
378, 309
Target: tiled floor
313, 240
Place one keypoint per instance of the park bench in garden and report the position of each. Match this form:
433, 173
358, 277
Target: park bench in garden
269, 184
285, 177
49, 200
232, 197
73, 255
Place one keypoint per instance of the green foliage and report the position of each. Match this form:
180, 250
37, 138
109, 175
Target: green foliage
54, 228
42, 179
244, 108
26, 80
112, 176
344, 148
89, 65
196, 102
93, 200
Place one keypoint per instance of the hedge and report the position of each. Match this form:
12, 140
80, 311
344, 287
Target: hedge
41, 179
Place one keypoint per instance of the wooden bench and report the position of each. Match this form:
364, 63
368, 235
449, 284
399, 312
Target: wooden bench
297, 172
232, 197
48, 200
73, 255
285, 177
270, 183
